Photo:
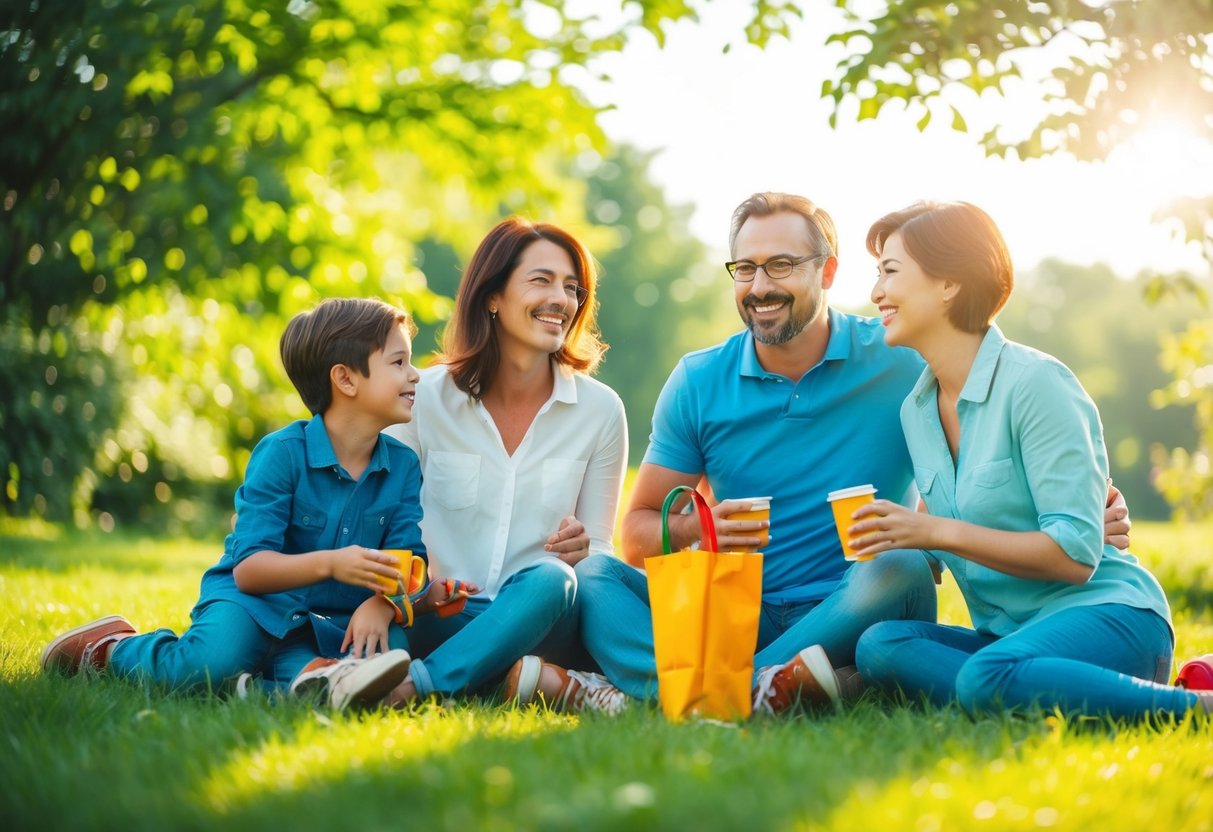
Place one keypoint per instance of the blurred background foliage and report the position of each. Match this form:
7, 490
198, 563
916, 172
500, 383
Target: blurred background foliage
178, 179
207, 169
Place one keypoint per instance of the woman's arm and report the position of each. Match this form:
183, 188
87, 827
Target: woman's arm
598, 502
884, 525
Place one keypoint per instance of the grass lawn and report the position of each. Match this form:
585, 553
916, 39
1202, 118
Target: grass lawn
102, 754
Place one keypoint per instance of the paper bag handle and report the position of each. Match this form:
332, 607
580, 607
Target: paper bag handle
707, 525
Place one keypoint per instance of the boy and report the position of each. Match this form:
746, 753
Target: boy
298, 580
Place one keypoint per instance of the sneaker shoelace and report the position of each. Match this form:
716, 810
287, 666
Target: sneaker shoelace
764, 690
88, 656
592, 691
344, 667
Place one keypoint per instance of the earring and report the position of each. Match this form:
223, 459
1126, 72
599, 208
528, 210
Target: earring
493, 313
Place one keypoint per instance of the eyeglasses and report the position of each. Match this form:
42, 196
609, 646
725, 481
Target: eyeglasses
744, 271
575, 291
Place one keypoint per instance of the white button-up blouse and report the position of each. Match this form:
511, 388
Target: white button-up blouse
488, 514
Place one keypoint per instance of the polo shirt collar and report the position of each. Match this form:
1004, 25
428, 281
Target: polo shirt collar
981, 374
320, 453
838, 347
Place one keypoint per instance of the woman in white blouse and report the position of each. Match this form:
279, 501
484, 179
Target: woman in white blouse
522, 455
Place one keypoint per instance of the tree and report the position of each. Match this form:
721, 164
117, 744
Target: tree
660, 298
1109, 70
177, 179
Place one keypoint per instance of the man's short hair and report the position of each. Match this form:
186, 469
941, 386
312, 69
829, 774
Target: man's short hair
954, 241
337, 331
821, 224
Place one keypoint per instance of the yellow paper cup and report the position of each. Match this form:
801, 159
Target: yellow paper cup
760, 509
845, 502
392, 585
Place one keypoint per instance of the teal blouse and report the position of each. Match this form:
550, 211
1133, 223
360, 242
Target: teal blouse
1031, 458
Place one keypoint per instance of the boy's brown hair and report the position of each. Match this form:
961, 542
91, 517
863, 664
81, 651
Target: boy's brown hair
337, 331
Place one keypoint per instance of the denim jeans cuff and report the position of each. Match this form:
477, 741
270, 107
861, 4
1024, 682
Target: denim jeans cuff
421, 678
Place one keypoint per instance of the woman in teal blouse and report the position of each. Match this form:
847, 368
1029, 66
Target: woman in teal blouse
1009, 458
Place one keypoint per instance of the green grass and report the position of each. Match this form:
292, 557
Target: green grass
102, 754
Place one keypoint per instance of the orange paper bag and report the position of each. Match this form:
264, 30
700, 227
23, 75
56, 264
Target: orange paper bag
705, 622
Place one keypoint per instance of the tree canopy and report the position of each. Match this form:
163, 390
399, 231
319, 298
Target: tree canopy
1109, 71
178, 178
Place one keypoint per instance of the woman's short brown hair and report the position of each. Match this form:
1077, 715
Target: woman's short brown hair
470, 347
954, 241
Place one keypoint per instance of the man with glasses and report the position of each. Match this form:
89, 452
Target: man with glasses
805, 401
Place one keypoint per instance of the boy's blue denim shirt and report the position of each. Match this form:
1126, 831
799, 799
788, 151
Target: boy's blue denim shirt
296, 498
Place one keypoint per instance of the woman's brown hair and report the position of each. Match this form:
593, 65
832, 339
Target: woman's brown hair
470, 347
954, 241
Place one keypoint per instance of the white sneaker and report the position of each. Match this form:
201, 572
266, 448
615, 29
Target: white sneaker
359, 683
563, 690
243, 686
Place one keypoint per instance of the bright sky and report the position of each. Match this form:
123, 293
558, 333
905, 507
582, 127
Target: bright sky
731, 124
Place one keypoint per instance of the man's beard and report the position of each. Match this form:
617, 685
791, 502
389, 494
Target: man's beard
793, 326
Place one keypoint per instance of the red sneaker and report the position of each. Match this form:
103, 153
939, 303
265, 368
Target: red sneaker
86, 646
807, 678
1197, 674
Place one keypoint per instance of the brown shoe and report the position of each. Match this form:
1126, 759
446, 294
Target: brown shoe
86, 646
562, 690
808, 678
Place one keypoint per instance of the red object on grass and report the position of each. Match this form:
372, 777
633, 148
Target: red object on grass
1197, 674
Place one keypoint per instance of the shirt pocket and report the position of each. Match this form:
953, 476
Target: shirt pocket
306, 533
924, 479
562, 484
993, 474
375, 525
452, 479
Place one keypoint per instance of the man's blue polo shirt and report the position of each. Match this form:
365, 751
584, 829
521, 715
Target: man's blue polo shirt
755, 433
297, 498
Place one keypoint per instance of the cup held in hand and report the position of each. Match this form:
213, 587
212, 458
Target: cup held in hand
845, 502
760, 509
393, 585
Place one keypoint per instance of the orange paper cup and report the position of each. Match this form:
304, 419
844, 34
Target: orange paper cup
760, 509
846, 502
392, 585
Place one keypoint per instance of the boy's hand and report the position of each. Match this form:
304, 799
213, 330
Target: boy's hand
570, 543
367, 633
437, 596
360, 566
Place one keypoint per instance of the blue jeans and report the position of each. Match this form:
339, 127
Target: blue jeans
617, 627
1104, 659
222, 641
535, 612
